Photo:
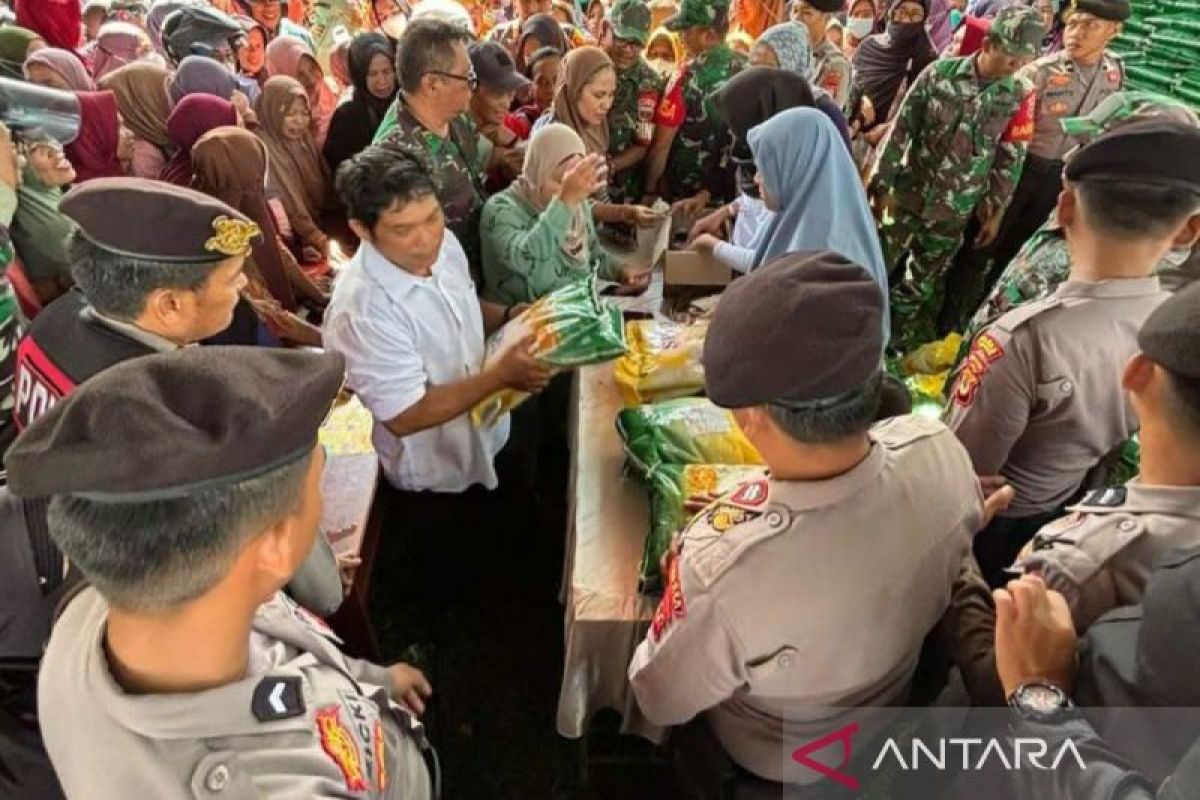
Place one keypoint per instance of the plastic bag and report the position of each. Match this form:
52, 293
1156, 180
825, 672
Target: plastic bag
662, 363
690, 430
677, 493
571, 327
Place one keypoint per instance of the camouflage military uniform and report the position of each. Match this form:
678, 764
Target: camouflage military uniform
631, 122
457, 163
701, 147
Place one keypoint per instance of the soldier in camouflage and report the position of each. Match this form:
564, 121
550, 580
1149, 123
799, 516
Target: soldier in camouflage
639, 90
1043, 263
955, 149
690, 152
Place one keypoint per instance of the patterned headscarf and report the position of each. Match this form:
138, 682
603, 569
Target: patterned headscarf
789, 41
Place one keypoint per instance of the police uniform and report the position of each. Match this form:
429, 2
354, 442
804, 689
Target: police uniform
305, 720
1038, 400
833, 72
789, 610
1063, 88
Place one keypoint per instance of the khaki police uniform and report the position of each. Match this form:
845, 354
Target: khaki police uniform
1101, 555
305, 722
1067, 89
1038, 399
796, 607
833, 72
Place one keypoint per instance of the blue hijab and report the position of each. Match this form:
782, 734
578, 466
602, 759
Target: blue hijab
816, 188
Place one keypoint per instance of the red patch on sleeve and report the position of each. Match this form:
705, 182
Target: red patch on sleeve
672, 110
1020, 127
751, 494
672, 606
338, 743
831, 81
984, 352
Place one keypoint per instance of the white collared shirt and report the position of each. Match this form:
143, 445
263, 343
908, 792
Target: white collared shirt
400, 333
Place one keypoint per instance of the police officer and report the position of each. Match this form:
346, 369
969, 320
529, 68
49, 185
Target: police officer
1038, 400
954, 151
639, 89
777, 582
1101, 555
831, 70
185, 487
1069, 83
690, 151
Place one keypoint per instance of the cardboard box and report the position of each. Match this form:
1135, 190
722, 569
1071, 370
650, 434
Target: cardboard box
688, 269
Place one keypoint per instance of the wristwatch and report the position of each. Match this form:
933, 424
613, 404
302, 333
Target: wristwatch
1040, 701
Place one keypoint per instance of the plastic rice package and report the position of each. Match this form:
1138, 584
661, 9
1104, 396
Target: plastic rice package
662, 362
689, 430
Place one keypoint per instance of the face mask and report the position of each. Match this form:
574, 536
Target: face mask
860, 27
662, 66
956, 17
904, 33
393, 27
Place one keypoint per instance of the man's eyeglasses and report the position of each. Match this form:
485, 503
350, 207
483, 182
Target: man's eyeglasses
470, 79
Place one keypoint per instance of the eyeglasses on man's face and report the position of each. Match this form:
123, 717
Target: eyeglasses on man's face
470, 79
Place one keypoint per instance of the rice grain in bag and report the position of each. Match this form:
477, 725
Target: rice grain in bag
689, 430
662, 363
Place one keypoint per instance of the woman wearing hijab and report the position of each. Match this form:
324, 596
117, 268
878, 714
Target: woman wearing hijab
290, 57
59, 23
810, 182
58, 69
230, 164
40, 234
16, 45
861, 19
751, 97
664, 52
194, 116
787, 46
538, 234
202, 75
888, 62
156, 16
252, 52
96, 150
299, 177
373, 74
540, 30
118, 44
141, 91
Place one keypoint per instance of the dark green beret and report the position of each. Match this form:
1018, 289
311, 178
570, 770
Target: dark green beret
1170, 336
1158, 151
1112, 10
806, 326
157, 221
165, 425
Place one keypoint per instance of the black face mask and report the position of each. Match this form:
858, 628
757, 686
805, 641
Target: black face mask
905, 34
746, 170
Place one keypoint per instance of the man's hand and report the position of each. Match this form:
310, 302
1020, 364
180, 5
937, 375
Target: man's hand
517, 368
988, 230
643, 217
997, 496
876, 134
691, 207
634, 281
409, 687
586, 177
1035, 636
711, 224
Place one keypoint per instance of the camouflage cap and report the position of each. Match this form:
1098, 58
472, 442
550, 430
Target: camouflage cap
697, 13
1123, 108
1018, 30
631, 20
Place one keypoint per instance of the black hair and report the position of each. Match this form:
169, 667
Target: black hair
427, 46
159, 554
118, 285
1129, 209
1183, 402
852, 414
378, 177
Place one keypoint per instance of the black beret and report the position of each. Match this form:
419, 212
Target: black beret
1170, 336
1112, 10
1158, 151
806, 326
164, 425
157, 221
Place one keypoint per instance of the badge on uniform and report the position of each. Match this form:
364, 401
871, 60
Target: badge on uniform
338, 743
1111, 497
984, 352
723, 516
754, 493
672, 606
277, 698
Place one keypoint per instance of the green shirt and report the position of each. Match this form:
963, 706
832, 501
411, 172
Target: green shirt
523, 256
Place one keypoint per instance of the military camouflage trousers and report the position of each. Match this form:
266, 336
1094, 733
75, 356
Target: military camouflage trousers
920, 254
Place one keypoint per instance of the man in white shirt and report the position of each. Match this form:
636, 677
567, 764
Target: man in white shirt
406, 316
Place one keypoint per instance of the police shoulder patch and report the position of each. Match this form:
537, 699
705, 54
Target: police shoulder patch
277, 697
1110, 497
672, 607
985, 351
722, 516
338, 743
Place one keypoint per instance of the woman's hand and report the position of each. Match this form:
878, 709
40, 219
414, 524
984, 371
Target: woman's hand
586, 177
712, 224
705, 243
642, 217
10, 165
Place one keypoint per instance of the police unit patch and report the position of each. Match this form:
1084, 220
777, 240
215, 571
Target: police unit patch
984, 352
672, 606
338, 743
751, 494
723, 516
277, 698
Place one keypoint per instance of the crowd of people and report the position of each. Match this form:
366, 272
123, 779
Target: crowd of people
220, 215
